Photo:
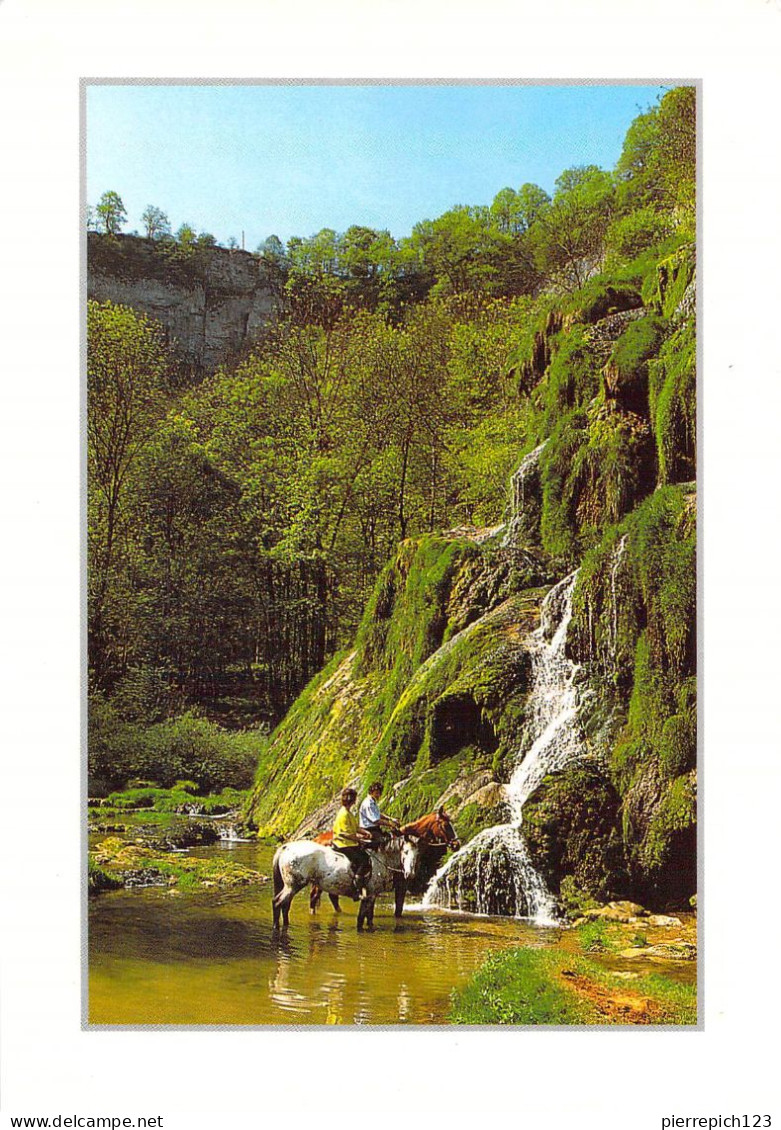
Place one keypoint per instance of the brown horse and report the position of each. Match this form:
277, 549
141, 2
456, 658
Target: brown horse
436, 835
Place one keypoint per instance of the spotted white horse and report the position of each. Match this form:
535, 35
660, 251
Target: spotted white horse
303, 862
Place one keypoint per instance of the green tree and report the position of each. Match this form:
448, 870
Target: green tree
678, 149
126, 369
186, 236
570, 231
455, 248
111, 212
155, 222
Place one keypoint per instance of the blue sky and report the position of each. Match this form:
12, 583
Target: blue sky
290, 160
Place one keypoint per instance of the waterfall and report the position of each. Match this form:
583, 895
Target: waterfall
493, 873
527, 470
229, 833
617, 557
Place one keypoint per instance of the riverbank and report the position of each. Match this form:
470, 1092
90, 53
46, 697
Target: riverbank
144, 837
613, 973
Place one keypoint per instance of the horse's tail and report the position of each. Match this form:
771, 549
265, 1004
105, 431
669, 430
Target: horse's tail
279, 882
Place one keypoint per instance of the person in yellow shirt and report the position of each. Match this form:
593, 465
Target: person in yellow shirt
348, 837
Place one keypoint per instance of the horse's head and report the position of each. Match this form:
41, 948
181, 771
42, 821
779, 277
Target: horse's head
434, 830
443, 832
410, 855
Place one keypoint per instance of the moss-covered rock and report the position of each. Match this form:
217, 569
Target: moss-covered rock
572, 827
660, 832
432, 697
597, 466
625, 376
433, 688
671, 289
572, 378
115, 862
601, 297
634, 624
99, 879
673, 405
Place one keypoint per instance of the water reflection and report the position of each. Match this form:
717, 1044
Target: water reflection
214, 958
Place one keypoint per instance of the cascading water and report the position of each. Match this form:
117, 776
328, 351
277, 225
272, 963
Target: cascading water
493, 873
524, 491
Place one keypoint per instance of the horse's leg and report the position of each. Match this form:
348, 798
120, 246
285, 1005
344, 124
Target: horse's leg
279, 884
284, 906
400, 891
335, 903
361, 914
314, 898
370, 914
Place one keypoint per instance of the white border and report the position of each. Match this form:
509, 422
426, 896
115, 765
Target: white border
566, 1078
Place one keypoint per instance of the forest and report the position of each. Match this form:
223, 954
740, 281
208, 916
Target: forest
238, 524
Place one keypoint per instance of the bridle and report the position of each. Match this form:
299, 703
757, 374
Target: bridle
444, 835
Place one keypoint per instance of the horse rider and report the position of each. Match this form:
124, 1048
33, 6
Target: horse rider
348, 837
370, 817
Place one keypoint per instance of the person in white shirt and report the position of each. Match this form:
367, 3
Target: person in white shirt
371, 819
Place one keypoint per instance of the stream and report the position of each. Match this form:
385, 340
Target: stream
210, 957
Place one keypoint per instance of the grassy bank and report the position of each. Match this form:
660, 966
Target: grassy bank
553, 986
116, 863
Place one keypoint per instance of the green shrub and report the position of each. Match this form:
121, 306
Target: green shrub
189, 749
630, 235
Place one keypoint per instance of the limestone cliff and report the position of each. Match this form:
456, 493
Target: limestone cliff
212, 303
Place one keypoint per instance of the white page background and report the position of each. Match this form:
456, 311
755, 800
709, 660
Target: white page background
540, 1078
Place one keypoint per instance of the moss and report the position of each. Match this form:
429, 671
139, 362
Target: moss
634, 622
626, 372
640, 578
572, 378
601, 297
419, 794
674, 274
319, 747
574, 899
390, 708
678, 745
638, 343
596, 467
571, 825
484, 666
133, 864
612, 470
673, 821
558, 523
673, 404
406, 619
181, 798
99, 879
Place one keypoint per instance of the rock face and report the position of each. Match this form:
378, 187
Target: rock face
438, 696
572, 826
429, 700
212, 303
